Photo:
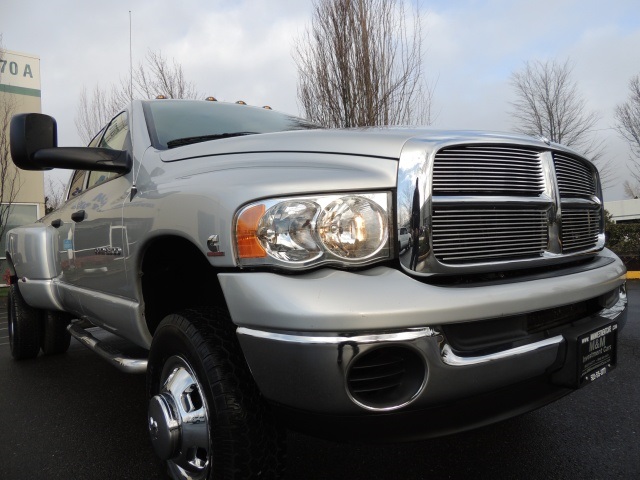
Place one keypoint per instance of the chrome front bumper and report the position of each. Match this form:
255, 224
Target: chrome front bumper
303, 335
310, 371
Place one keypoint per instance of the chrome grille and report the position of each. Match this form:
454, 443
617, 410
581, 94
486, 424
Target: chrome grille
481, 235
575, 178
488, 170
580, 229
496, 205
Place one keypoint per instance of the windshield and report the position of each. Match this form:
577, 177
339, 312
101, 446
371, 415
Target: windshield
174, 123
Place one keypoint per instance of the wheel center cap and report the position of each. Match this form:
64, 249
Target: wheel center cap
164, 426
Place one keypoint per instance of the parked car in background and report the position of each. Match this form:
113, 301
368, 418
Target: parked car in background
404, 238
252, 256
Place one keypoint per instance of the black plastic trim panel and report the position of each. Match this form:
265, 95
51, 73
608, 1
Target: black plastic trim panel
411, 425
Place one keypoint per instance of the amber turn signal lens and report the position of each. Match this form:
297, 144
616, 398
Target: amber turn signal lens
247, 233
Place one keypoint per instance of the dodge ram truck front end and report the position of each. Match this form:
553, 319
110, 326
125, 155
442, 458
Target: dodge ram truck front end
505, 285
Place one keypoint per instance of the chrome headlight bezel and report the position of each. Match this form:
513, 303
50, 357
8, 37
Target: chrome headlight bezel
314, 231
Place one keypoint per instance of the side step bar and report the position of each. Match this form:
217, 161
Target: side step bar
108, 352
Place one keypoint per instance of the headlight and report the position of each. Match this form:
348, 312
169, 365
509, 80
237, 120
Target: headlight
301, 232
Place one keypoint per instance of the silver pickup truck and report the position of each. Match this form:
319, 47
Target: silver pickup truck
252, 259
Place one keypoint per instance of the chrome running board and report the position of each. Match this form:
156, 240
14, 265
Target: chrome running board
108, 352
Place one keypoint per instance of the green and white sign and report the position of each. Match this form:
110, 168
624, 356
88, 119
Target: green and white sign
20, 73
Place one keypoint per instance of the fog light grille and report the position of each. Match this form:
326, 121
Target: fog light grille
386, 378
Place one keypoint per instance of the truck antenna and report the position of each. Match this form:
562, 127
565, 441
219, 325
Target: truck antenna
134, 188
130, 62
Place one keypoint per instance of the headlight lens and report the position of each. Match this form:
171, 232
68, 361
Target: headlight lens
284, 231
305, 231
352, 227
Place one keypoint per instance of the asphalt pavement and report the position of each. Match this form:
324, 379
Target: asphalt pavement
73, 416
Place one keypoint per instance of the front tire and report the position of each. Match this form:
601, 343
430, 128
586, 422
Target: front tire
25, 325
207, 418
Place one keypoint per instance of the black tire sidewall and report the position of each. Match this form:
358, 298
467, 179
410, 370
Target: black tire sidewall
27, 325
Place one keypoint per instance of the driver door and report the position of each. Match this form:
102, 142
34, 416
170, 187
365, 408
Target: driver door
99, 249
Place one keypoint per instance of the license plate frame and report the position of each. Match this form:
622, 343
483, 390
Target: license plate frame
597, 353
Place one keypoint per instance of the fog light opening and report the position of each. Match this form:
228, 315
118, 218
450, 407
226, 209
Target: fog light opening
386, 378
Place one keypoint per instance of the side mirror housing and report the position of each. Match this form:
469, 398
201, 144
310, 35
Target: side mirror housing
34, 146
29, 133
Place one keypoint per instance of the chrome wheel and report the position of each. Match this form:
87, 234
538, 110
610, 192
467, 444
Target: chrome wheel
179, 421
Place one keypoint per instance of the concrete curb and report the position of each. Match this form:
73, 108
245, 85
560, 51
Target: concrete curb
633, 275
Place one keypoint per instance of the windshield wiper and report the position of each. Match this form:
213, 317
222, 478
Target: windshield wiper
178, 142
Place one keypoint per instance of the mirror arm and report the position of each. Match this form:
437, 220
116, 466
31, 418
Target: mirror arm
85, 158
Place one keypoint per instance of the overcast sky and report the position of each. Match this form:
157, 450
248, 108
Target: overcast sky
242, 50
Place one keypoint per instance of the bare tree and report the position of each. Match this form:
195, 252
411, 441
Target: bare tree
54, 194
627, 117
405, 201
548, 104
9, 174
95, 110
360, 64
156, 76
631, 190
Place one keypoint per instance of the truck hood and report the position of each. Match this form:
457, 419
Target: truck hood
386, 142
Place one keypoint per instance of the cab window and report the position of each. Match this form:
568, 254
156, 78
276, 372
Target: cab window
96, 178
115, 137
76, 187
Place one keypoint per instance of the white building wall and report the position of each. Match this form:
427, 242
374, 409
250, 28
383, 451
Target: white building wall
624, 210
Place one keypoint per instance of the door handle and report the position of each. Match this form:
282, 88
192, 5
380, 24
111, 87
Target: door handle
56, 223
78, 216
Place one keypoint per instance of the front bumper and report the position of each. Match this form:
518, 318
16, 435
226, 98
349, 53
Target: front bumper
303, 336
